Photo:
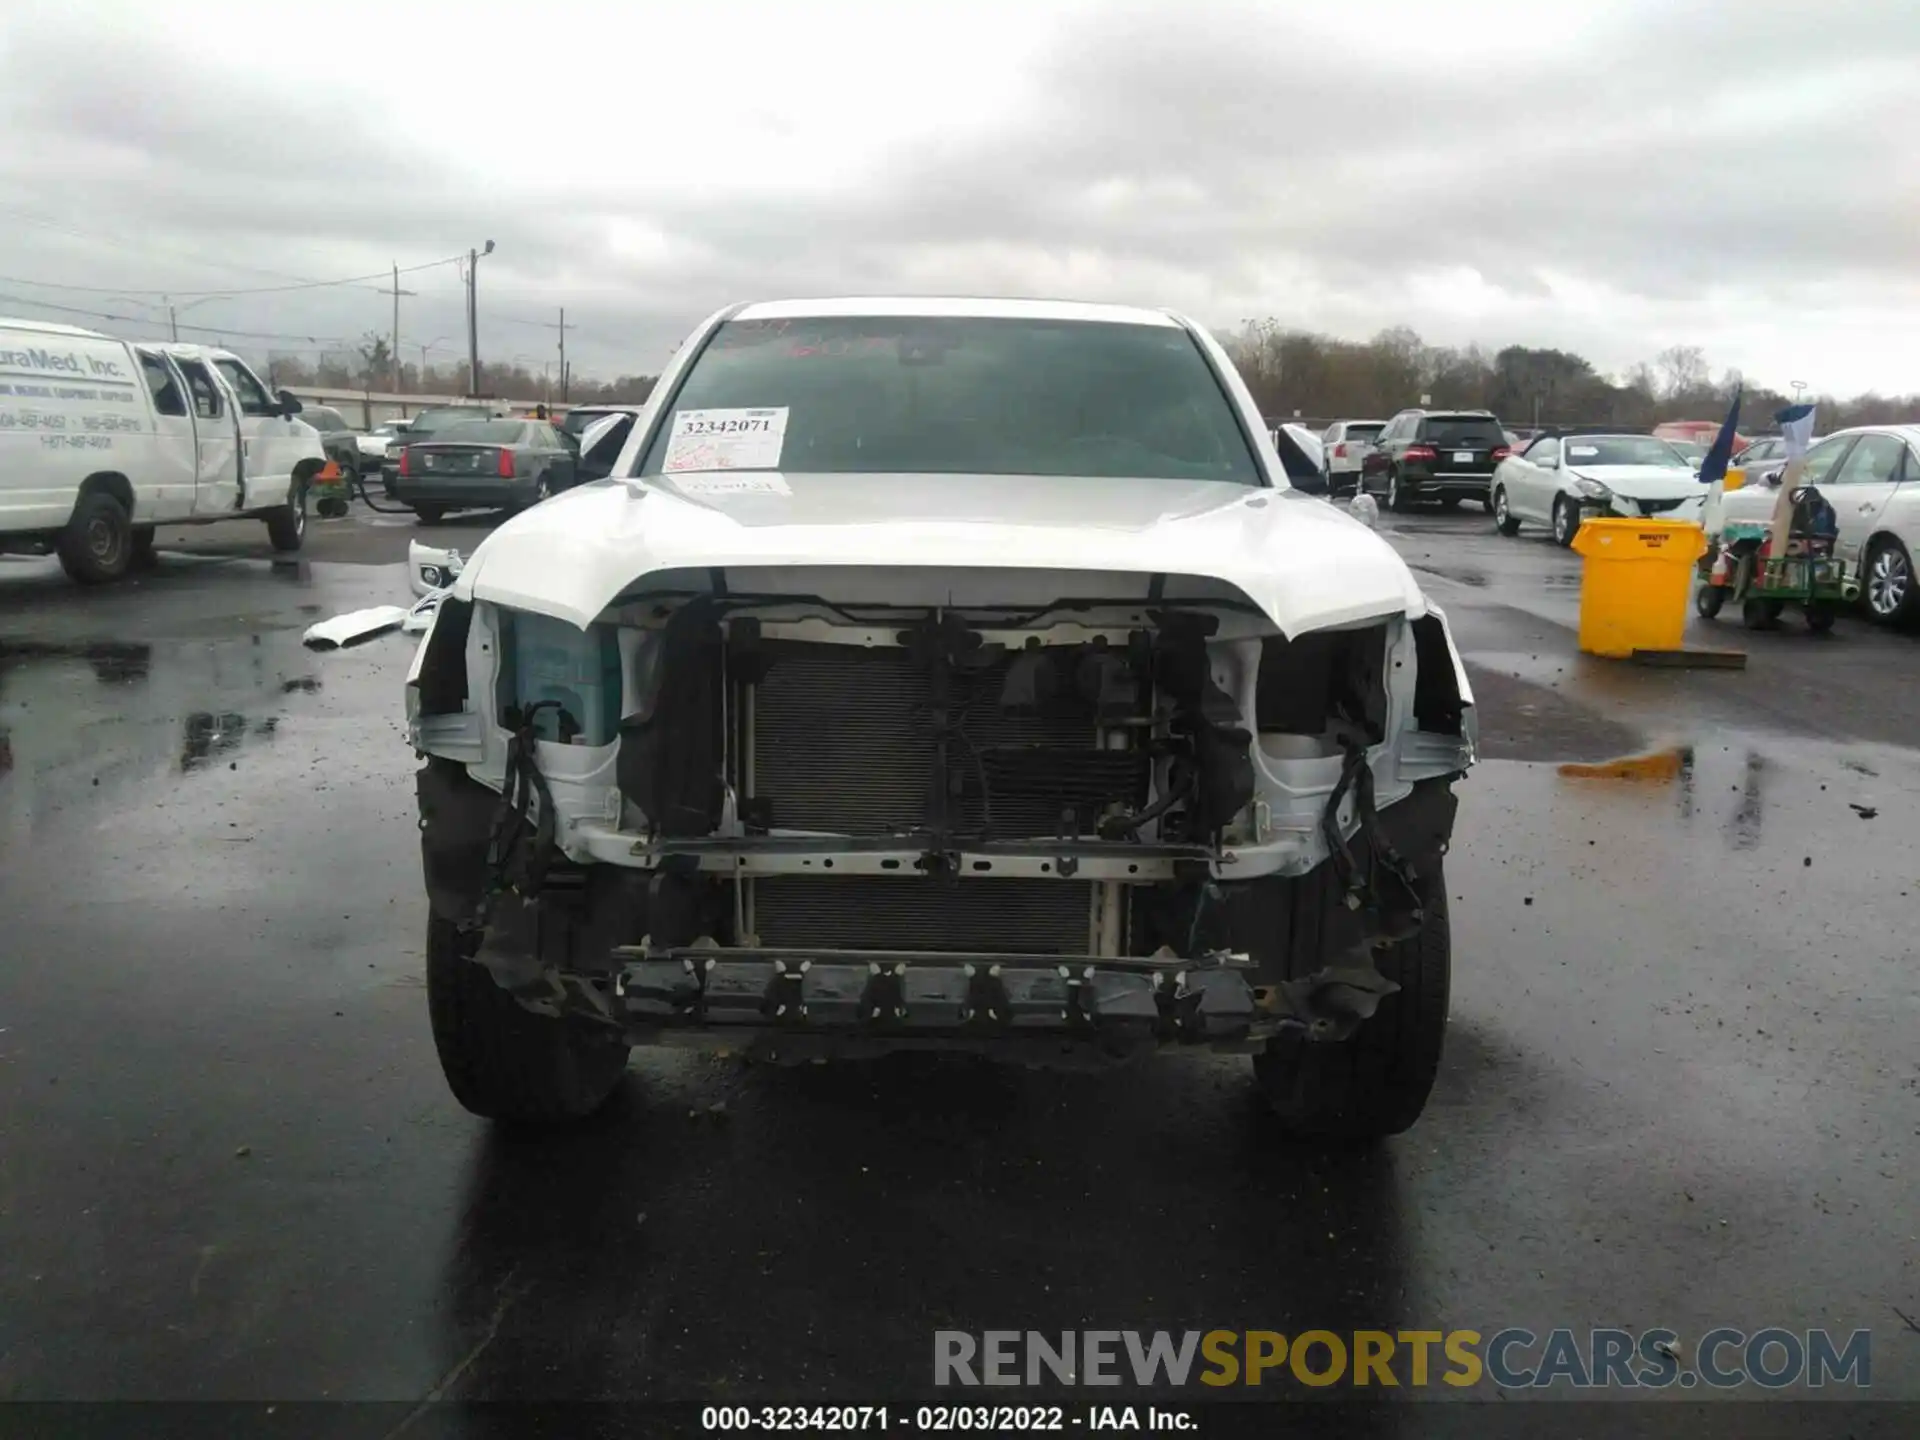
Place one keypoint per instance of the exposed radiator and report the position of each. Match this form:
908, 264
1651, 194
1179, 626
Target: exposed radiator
1026, 917
843, 744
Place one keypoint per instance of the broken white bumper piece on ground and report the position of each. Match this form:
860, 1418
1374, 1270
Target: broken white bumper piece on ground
354, 628
362, 625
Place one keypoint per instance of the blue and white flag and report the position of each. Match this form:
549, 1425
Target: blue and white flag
1714, 467
1796, 428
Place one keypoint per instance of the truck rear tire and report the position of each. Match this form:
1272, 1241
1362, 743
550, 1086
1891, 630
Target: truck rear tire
1375, 1083
502, 1061
97, 545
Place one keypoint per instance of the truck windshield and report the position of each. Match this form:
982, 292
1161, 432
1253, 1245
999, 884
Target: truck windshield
987, 396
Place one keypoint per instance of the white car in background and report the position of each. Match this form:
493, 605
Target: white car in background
1763, 460
1347, 444
1871, 477
373, 445
1560, 480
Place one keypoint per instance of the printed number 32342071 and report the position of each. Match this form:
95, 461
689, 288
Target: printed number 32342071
730, 426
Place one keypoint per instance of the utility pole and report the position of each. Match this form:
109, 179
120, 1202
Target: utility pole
473, 323
473, 317
173, 322
396, 292
563, 327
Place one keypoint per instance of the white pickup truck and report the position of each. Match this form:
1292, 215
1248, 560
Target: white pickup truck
102, 440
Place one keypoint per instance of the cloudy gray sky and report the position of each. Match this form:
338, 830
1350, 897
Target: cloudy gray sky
1608, 177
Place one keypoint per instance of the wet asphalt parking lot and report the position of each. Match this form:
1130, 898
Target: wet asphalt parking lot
1681, 1088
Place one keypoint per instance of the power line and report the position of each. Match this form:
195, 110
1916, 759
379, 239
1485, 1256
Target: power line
146, 245
212, 294
148, 320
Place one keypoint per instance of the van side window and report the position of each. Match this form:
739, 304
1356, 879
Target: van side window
161, 385
253, 400
206, 394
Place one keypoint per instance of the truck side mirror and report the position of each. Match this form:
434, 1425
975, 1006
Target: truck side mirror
290, 405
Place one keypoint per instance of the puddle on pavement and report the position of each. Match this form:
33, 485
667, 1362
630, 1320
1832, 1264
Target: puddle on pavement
1735, 785
214, 737
113, 662
81, 723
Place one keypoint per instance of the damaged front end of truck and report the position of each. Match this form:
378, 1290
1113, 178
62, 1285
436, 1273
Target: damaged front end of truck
1059, 817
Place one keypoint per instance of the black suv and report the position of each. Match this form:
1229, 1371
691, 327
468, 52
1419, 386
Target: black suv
1444, 455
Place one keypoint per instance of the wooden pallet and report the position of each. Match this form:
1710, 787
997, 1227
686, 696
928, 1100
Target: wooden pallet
1697, 658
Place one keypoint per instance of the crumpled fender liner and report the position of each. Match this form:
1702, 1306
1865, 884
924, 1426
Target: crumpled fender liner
456, 824
1312, 950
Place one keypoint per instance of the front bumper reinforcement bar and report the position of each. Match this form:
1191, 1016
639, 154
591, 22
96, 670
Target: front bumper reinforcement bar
1210, 999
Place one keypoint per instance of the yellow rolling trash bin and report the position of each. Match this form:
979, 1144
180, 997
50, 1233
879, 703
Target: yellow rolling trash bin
1636, 583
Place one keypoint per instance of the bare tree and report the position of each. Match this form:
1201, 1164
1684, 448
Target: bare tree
1684, 368
376, 359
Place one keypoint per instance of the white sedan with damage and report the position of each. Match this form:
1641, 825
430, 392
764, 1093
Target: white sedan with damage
941, 674
1561, 479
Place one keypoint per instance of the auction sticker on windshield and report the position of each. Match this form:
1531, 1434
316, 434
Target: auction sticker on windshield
725, 440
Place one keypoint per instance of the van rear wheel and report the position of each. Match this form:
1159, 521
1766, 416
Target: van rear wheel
97, 546
287, 524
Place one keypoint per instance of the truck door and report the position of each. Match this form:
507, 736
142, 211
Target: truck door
169, 495
216, 489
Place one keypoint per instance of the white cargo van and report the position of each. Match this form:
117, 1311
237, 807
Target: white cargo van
101, 440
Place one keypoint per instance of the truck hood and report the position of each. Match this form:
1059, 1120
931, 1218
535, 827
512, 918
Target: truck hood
1643, 482
1304, 563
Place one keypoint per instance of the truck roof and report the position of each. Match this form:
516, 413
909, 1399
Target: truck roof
952, 306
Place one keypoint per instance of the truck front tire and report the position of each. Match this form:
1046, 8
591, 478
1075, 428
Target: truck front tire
97, 545
1376, 1082
502, 1061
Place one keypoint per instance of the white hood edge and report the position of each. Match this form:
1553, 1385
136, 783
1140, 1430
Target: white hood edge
1305, 564
1642, 482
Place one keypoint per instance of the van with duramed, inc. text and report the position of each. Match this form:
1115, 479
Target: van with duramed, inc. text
103, 440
